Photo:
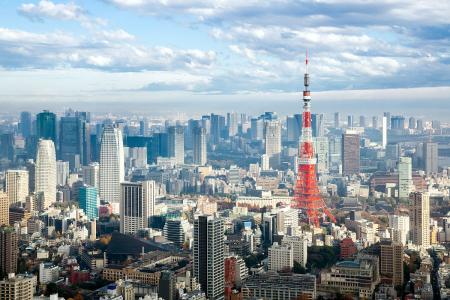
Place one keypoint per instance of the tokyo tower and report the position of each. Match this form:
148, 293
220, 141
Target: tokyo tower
306, 191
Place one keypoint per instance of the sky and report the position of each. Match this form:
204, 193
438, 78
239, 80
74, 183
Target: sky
199, 52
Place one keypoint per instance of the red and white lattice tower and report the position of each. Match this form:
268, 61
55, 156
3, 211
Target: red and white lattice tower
306, 192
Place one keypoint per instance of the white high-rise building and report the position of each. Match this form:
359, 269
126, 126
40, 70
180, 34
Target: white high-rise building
384, 132
265, 162
112, 166
405, 183
321, 149
17, 185
208, 250
137, 205
299, 245
62, 172
273, 142
281, 257
232, 123
91, 175
400, 226
176, 143
420, 219
200, 155
45, 180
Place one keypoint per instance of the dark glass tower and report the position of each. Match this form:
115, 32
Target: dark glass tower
46, 126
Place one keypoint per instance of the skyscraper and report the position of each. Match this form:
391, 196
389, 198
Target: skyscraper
88, 201
420, 219
4, 209
321, 149
208, 250
91, 175
384, 128
46, 126
9, 250
257, 129
388, 119
7, 146
17, 185
273, 142
317, 125
74, 140
25, 124
397, 122
137, 205
350, 123
200, 154
176, 143
336, 119
362, 121
375, 122
232, 122
405, 183
217, 128
350, 153
62, 172
45, 180
430, 158
112, 166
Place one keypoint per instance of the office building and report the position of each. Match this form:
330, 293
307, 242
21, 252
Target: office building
318, 125
74, 138
384, 128
17, 185
257, 129
4, 209
232, 123
88, 200
375, 124
46, 126
25, 126
91, 174
7, 146
62, 172
272, 285
9, 250
412, 123
48, 273
350, 153
387, 115
400, 226
112, 166
350, 123
281, 257
362, 121
200, 154
208, 251
356, 278
137, 205
272, 137
167, 286
391, 263
337, 120
397, 122
430, 158
174, 231
321, 150
18, 287
159, 146
176, 143
217, 128
420, 219
45, 181
299, 246
405, 183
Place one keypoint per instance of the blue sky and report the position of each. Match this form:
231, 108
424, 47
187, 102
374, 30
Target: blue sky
104, 50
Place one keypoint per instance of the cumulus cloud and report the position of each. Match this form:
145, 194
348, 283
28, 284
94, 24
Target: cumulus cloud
25, 49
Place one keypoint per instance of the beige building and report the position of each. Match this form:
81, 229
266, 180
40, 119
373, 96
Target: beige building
420, 219
4, 209
358, 278
18, 287
17, 185
281, 257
